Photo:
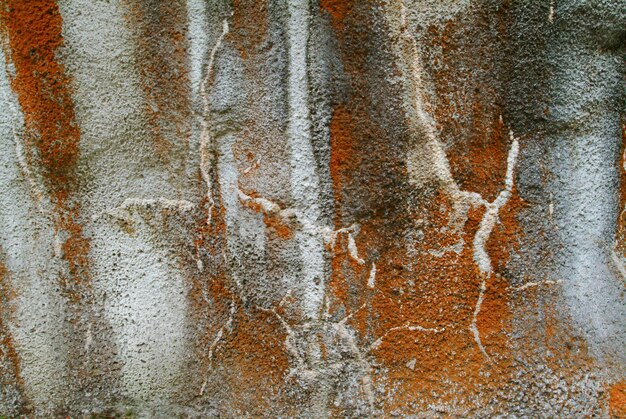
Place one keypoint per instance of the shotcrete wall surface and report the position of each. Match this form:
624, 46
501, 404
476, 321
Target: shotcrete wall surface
312, 208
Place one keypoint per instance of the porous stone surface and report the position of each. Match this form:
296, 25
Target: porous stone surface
312, 208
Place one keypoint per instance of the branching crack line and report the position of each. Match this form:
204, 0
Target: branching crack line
481, 257
291, 343
439, 167
366, 379
328, 235
228, 325
206, 141
207, 166
123, 210
536, 284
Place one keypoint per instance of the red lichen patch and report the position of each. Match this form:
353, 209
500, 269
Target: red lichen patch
261, 149
348, 279
163, 65
211, 295
257, 360
251, 365
424, 300
617, 400
505, 238
421, 311
32, 32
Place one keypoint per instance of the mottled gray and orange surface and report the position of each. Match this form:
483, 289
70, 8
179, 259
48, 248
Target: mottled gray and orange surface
312, 208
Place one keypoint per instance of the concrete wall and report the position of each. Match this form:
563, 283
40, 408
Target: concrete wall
312, 208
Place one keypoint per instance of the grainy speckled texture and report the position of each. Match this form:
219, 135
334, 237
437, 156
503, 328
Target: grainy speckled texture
312, 208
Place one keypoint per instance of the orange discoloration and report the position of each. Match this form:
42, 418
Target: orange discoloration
441, 291
274, 221
467, 110
348, 280
10, 362
33, 36
33, 29
344, 159
427, 283
249, 26
338, 11
496, 311
260, 139
256, 361
617, 400
163, 65
620, 239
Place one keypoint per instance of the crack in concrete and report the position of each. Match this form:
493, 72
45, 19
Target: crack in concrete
439, 168
481, 257
206, 142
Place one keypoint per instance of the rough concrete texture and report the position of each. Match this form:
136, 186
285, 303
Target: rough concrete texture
312, 208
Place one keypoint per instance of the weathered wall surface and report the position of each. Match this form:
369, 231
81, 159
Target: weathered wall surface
312, 208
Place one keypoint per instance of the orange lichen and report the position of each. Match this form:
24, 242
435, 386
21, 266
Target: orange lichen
466, 109
260, 139
32, 31
496, 311
343, 155
423, 299
256, 360
617, 400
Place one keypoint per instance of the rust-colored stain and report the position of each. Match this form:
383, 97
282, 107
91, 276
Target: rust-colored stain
261, 147
338, 10
466, 109
343, 158
32, 31
163, 65
274, 222
10, 362
403, 275
255, 361
442, 292
617, 400
415, 320
620, 239
249, 26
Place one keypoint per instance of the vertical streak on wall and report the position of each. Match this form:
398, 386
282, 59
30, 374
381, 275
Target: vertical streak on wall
585, 136
33, 33
198, 45
34, 37
31, 262
304, 179
161, 44
12, 390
